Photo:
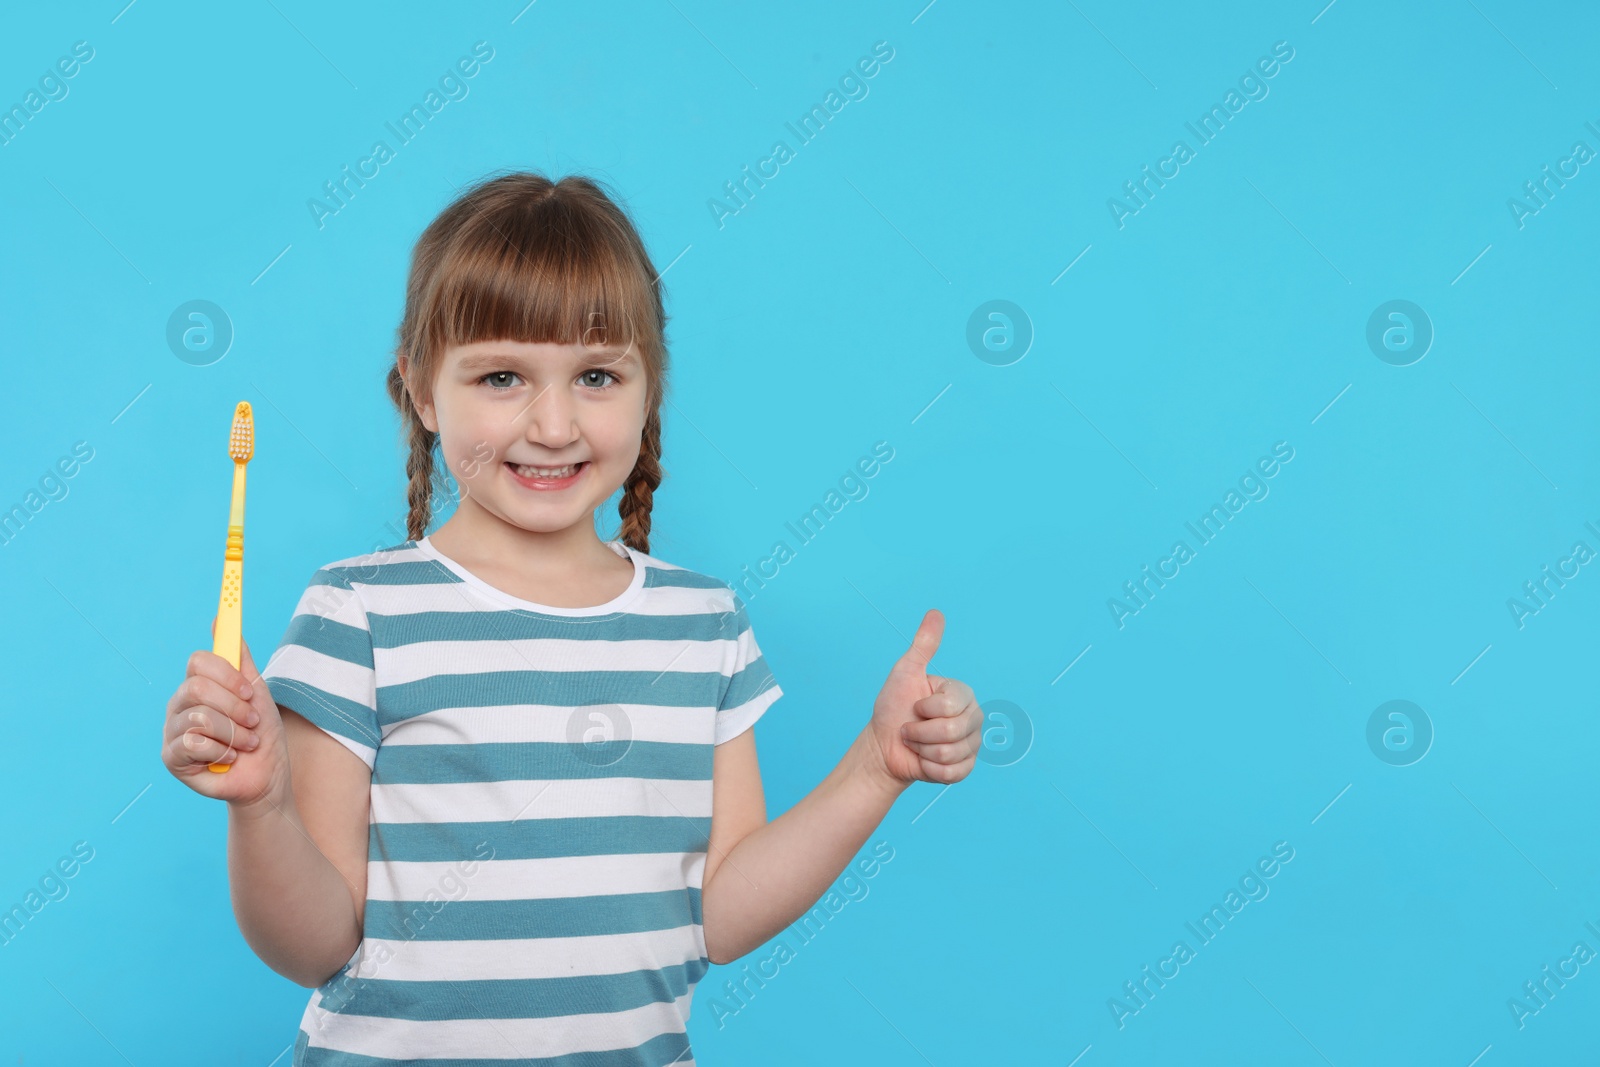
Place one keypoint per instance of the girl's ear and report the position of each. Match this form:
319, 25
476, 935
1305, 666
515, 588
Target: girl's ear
424, 411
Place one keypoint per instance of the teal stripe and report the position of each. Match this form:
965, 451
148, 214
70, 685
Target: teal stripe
667, 1050
330, 637
418, 572
525, 998
520, 761
506, 624
534, 998
534, 839
565, 689
347, 718
749, 683
682, 579
507, 920
334, 576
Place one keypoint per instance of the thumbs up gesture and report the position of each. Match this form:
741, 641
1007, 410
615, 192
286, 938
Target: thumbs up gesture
927, 728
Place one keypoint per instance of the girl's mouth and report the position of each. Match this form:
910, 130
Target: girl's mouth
547, 478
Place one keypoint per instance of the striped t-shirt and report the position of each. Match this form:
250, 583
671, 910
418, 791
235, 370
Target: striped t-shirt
541, 806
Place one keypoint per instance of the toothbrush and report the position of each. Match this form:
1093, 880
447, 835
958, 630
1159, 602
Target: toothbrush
241, 446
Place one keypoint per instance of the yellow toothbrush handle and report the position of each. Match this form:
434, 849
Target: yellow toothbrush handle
230, 616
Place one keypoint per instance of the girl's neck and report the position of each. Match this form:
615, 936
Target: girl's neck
474, 538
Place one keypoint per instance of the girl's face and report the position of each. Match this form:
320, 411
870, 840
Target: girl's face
501, 408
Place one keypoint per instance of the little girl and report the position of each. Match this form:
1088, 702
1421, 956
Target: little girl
495, 796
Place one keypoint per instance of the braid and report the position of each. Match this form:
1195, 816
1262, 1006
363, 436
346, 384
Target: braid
419, 464
639, 490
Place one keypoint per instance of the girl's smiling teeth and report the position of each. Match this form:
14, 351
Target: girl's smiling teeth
546, 474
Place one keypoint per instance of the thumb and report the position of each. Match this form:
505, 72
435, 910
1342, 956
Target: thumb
925, 643
261, 697
247, 665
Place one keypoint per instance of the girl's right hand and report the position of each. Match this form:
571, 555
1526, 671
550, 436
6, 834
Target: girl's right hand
210, 721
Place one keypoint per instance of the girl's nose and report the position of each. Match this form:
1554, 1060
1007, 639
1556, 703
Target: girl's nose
552, 419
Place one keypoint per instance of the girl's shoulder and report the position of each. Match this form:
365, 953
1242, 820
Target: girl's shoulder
394, 564
661, 573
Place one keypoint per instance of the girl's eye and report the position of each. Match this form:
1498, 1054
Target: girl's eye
497, 379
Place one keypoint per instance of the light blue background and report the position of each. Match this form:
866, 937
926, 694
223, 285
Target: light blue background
830, 314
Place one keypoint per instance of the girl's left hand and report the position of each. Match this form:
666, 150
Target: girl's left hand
927, 728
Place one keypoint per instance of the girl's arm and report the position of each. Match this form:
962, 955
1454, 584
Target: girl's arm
297, 842
297, 859
760, 877
766, 875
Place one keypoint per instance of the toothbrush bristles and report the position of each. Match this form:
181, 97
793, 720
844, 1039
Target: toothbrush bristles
242, 441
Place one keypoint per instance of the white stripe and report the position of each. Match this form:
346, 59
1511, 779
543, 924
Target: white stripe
745, 648
341, 678
531, 799
734, 721
332, 602
426, 659
544, 957
366, 755
453, 595
510, 723
373, 559
407, 1040
537, 879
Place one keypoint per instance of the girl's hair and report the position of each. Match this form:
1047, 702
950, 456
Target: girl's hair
521, 258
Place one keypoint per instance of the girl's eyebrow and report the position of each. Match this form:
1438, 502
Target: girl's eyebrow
493, 360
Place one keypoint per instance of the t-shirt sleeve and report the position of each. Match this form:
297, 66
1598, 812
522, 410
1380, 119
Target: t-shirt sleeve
750, 688
323, 669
